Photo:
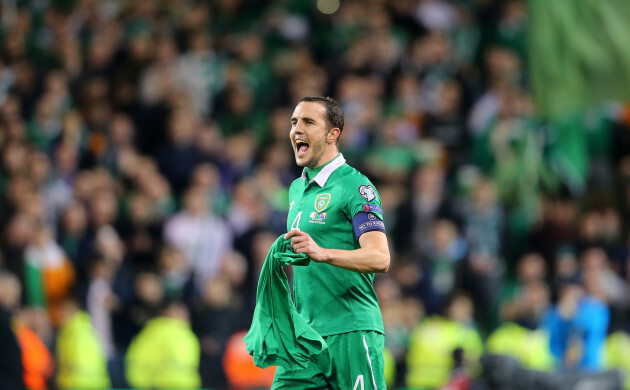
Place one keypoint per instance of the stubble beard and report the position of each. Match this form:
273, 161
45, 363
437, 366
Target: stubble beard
318, 152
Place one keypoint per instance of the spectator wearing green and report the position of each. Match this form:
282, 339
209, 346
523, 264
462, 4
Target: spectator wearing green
430, 358
165, 354
80, 357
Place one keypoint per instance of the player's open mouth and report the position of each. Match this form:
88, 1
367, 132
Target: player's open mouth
301, 147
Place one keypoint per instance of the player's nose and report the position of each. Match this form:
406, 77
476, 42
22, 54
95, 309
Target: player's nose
298, 128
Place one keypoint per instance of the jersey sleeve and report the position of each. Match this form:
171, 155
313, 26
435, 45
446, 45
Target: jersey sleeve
364, 206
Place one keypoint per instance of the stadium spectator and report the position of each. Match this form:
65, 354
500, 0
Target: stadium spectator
434, 341
214, 319
80, 356
49, 275
12, 372
37, 362
101, 301
201, 236
615, 353
577, 327
165, 354
36, 358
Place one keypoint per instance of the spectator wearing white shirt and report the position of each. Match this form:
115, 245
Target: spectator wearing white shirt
202, 237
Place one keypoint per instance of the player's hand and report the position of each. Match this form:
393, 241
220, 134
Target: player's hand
303, 243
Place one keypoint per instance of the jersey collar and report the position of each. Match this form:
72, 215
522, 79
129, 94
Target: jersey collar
322, 177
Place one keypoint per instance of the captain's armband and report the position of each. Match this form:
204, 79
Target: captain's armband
365, 222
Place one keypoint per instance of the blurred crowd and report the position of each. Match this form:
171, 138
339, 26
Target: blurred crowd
145, 166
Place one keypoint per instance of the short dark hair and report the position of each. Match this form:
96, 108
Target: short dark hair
334, 113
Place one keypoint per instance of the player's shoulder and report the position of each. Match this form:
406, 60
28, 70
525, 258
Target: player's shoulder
295, 183
357, 187
353, 177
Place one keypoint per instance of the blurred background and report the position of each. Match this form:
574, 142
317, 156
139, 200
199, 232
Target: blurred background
145, 164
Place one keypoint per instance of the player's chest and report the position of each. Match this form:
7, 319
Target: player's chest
315, 208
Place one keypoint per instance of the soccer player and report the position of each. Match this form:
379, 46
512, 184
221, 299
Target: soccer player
335, 218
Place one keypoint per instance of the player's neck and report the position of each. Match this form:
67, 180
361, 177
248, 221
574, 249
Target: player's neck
329, 154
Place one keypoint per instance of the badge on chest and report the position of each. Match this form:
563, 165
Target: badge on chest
321, 203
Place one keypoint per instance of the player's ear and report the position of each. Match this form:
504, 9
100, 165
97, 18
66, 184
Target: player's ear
333, 134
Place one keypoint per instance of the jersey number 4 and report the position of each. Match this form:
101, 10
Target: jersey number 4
296, 221
358, 382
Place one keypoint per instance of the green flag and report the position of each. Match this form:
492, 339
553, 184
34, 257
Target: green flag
579, 54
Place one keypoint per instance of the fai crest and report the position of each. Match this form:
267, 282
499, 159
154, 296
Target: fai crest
367, 192
321, 202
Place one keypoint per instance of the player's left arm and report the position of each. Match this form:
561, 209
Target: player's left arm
372, 257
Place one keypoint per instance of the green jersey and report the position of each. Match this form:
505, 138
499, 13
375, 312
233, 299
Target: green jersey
335, 204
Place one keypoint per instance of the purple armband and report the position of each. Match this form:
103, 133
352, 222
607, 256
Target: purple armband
364, 222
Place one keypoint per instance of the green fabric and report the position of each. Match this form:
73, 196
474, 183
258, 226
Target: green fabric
530, 347
510, 152
599, 133
354, 360
34, 284
578, 54
526, 156
80, 357
431, 346
568, 152
278, 335
398, 159
331, 299
164, 355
